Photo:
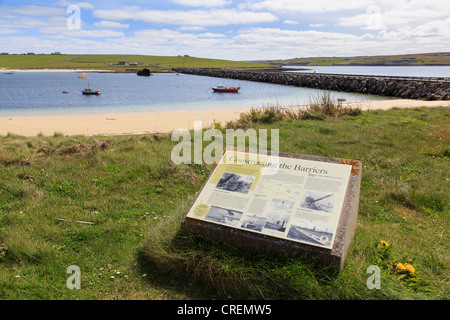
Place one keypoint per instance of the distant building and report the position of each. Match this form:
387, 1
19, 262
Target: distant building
132, 63
122, 63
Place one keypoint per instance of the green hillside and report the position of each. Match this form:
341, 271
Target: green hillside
440, 58
111, 62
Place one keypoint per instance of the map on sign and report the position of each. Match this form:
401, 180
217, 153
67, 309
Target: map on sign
290, 198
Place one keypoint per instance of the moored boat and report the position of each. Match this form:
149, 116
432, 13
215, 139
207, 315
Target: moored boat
89, 91
222, 88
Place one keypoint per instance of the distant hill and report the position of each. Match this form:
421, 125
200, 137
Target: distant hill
420, 59
119, 63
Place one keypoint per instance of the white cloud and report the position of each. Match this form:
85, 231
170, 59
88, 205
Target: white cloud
32, 11
4, 31
111, 24
123, 14
191, 28
213, 17
93, 33
290, 22
307, 6
211, 35
83, 5
393, 14
317, 25
202, 3
436, 28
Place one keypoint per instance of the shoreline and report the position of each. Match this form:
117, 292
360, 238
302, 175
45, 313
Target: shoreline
3, 70
114, 123
153, 122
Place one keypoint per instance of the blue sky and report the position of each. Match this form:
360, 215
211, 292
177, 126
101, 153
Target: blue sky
226, 29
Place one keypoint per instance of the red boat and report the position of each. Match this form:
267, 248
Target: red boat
222, 88
88, 91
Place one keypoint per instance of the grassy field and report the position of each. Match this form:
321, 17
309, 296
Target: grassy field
393, 60
110, 62
135, 197
166, 63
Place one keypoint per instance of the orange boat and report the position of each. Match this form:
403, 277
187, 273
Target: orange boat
222, 88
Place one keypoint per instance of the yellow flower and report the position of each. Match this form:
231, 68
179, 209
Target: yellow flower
401, 267
384, 243
410, 268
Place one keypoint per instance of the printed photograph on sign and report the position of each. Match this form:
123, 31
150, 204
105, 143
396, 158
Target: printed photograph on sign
253, 222
318, 201
278, 214
224, 216
235, 182
313, 233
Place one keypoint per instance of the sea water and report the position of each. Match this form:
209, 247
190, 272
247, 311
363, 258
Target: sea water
47, 93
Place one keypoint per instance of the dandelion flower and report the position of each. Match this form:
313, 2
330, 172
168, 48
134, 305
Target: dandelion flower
384, 243
410, 268
401, 266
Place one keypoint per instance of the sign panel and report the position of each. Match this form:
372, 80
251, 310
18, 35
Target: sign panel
289, 198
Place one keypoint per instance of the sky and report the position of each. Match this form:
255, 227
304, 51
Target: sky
226, 29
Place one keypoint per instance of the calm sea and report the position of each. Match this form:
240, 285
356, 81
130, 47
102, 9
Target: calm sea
400, 71
39, 93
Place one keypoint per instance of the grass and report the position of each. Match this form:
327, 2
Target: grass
136, 197
110, 62
320, 107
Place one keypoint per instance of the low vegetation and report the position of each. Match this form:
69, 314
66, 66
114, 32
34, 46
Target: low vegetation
111, 62
135, 197
420, 59
320, 107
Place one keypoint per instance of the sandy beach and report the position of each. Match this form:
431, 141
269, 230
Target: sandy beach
141, 123
113, 124
52, 70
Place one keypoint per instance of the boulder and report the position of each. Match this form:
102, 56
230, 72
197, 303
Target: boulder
144, 72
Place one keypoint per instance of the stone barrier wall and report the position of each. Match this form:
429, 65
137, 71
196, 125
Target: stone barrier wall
405, 88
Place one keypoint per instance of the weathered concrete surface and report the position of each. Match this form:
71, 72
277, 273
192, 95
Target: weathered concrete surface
404, 88
266, 244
